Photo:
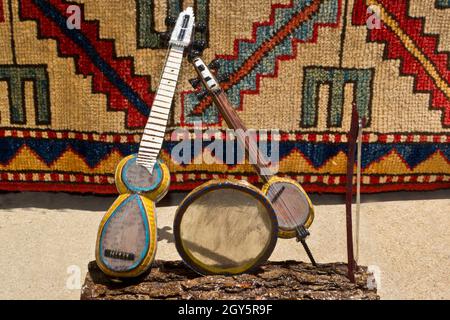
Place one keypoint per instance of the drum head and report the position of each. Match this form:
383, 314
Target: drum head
291, 204
225, 228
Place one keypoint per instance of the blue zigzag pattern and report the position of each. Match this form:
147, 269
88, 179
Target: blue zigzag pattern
51, 150
317, 153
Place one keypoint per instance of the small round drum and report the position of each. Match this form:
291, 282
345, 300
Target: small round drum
225, 227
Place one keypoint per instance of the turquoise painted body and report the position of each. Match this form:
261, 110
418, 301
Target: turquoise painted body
157, 171
146, 228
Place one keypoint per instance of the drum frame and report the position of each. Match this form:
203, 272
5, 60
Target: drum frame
283, 232
209, 186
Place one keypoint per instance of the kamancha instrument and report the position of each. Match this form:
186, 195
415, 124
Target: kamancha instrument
293, 208
126, 240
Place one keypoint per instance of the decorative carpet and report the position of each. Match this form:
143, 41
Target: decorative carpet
73, 102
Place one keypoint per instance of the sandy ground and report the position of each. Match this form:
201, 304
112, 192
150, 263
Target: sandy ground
46, 241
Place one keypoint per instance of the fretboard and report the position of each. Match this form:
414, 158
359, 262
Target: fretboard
153, 136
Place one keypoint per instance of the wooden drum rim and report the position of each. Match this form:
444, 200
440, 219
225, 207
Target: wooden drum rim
222, 184
283, 232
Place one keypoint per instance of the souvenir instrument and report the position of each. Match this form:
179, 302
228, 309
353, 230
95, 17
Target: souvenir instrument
292, 206
126, 240
354, 145
225, 227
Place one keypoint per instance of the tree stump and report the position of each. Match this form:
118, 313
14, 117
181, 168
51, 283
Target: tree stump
273, 280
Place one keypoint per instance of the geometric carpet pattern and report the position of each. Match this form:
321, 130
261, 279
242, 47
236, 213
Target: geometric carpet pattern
74, 101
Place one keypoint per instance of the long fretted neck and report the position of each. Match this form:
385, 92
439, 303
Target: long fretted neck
153, 136
228, 112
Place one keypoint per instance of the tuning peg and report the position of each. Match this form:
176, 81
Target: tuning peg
193, 54
195, 82
201, 95
170, 21
223, 77
214, 65
165, 36
200, 27
199, 45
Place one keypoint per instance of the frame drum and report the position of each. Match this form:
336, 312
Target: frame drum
225, 227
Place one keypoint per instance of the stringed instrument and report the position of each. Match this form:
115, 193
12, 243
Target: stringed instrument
126, 240
293, 208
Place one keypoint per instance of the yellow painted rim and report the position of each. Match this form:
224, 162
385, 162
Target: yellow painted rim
208, 268
155, 195
283, 233
149, 207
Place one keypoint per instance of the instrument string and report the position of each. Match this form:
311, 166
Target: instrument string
290, 217
223, 101
140, 160
299, 228
358, 189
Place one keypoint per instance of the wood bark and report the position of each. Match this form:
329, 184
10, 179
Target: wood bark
273, 280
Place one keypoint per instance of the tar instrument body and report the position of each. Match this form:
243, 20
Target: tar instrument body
225, 227
126, 240
293, 208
